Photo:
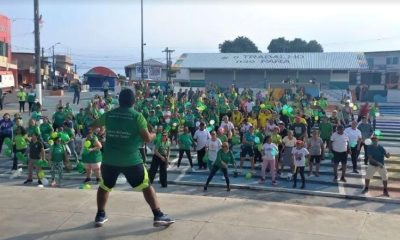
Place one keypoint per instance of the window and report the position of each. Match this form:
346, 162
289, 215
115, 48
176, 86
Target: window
388, 60
392, 60
370, 62
395, 60
3, 49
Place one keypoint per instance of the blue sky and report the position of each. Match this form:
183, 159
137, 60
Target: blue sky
107, 33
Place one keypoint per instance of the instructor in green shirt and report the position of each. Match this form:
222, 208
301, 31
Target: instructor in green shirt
126, 130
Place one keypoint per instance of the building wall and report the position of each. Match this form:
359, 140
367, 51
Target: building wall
5, 37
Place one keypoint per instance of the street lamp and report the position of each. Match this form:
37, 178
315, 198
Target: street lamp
53, 64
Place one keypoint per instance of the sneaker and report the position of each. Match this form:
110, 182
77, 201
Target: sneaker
274, 183
228, 189
162, 221
193, 170
205, 188
342, 179
355, 171
303, 186
39, 182
100, 219
364, 191
86, 180
28, 181
386, 193
261, 181
335, 178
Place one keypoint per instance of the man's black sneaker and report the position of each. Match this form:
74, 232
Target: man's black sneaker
386, 193
355, 171
162, 221
39, 182
364, 191
100, 219
28, 181
86, 180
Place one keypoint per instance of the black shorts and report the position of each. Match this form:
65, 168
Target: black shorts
247, 150
315, 158
136, 176
340, 157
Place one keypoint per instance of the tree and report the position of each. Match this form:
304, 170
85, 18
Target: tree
297, 45
238, 45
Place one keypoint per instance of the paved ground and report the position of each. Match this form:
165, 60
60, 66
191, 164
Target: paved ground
68, 214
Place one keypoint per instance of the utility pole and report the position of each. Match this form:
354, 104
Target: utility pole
168, 58
38, 77
142, 43
53, 67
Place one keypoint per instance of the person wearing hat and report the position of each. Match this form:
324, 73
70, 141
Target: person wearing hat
376, 157
339, 146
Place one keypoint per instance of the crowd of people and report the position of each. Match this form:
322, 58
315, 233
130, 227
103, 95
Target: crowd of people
280, 131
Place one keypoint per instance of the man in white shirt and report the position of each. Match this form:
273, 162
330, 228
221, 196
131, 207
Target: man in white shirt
339, 146
355, 138
201, 136
249, 106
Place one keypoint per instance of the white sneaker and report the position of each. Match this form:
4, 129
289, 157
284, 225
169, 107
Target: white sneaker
223, 178
193, 170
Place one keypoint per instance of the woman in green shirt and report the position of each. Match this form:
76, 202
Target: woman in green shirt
224, 157
32, 128
46, 129
160, 159
185, 142
21, 95
92, 157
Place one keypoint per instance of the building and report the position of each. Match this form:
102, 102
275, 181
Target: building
261, 70
97, 75
8, 68
64, 72
383, 69
26, 68
153, 71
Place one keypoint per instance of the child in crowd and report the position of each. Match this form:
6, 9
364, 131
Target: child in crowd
269, 151
58, 158
299, 158
36, 152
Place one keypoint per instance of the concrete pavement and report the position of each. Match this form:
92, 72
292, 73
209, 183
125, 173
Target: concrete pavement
35, 213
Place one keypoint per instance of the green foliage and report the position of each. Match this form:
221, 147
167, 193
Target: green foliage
238, 45
297, 45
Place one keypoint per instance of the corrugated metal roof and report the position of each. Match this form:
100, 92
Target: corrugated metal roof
148, 62
304, 61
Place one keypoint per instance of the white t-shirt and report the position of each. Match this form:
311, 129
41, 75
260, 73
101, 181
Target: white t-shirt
229, 125
213, 148
339, 142
354, 135
249, 106
246, 127
270, 151
289, 142
202, 138
300, 156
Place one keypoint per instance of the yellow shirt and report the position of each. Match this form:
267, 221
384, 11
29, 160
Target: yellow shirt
236, 118
262, 118
253, 122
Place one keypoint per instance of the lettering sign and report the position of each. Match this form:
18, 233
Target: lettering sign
264, 58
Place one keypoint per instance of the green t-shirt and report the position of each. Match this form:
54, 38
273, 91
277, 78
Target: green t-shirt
59, 118
189, 120
250, 139
185, 141
33, 129
153, 120
31, 97
325, 130
46, 129
79, 118
57, 152
163, 147
21, 96
93, 156
176, 121
227, 158
223, 138
21, 142
123, 138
